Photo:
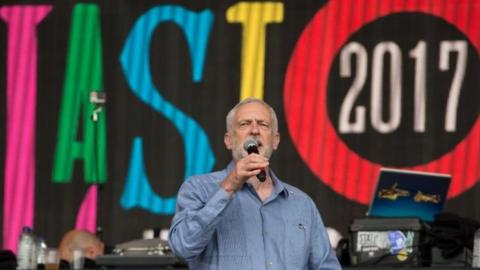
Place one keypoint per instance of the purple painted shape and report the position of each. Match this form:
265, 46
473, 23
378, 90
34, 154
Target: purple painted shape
19, 180
87, 214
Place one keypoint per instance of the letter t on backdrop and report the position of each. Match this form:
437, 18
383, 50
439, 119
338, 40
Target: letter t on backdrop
254, 17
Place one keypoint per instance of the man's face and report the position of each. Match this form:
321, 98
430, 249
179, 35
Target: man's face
252, 121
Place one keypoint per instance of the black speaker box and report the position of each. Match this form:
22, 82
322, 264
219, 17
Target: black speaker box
387, 242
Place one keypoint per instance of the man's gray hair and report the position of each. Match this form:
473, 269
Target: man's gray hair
233, 111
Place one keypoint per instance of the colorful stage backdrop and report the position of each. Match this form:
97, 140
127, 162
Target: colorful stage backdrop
358, 85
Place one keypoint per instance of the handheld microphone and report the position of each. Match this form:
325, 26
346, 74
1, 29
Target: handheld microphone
251, 146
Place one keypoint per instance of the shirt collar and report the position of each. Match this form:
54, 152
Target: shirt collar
279, 187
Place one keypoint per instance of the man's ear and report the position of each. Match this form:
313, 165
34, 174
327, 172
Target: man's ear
276, 140
227, 139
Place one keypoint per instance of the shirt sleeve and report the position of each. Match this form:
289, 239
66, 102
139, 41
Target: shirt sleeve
322, 255
198, 212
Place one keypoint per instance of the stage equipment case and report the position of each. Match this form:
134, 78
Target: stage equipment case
387, 242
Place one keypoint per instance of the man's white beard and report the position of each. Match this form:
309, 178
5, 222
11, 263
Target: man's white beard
238, 152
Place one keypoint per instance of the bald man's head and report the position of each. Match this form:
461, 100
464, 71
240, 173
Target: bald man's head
85, 241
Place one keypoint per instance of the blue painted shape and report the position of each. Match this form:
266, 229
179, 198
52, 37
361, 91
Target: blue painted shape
134, 59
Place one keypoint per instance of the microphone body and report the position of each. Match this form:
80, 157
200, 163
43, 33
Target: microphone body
251, 146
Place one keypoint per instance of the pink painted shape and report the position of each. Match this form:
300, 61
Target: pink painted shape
87, 214
19, 182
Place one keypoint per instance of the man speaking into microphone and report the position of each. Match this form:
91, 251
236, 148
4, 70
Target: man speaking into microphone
244, 217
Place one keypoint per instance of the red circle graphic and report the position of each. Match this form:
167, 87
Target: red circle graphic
305, 96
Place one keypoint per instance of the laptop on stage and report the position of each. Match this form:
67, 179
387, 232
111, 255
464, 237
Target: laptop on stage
405, 193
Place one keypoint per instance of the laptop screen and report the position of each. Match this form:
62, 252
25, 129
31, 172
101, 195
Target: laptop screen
404, 193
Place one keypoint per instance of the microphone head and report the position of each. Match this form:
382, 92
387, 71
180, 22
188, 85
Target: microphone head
251, 146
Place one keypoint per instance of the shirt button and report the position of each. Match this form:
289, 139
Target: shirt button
270, 264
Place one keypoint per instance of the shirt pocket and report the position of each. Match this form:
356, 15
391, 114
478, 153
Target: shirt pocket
297, 247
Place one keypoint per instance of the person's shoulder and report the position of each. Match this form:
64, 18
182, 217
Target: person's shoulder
204, 181
207, 178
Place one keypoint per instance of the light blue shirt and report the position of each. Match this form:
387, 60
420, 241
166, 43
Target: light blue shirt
212, 231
